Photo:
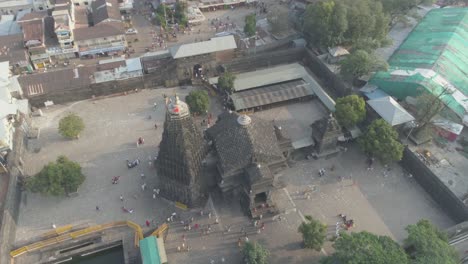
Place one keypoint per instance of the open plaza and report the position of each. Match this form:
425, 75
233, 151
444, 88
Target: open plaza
215, 128
379, 204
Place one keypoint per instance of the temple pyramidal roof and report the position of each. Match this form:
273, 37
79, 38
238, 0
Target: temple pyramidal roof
181, 151
242, 140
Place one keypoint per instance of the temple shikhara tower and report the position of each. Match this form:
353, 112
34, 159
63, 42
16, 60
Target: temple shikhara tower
181, 152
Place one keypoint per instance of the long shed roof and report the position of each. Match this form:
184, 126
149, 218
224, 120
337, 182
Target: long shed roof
433, 57
204, 47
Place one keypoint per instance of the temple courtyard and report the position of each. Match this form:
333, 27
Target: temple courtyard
380, 203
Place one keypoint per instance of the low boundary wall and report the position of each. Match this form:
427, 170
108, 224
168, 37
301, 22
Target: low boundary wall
449, 202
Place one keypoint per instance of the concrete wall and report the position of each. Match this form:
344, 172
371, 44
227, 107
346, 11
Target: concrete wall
98, 89
449, 202
264, 60
10, 210
333, 83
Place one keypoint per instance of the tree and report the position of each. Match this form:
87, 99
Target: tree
381, 141
162, 12
57, 178
361, 63
366, 248
198, 101
350, 110
179, 13
313, 233
278, 19
338, 24
250, 27
317, 22
332, 22
430, 105
71, 126
427, 245
255, 253
226, 82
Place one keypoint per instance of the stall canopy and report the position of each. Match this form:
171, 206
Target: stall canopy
390, 110
149, 251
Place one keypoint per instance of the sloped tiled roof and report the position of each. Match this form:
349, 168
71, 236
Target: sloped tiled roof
238, 145
390, 110
105, 9
100, 31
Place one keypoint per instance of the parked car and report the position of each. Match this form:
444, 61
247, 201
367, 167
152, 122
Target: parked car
131, 31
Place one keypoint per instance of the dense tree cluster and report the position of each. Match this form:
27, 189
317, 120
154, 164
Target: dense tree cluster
332, 22
165, 14
350, 110
198, 101
313, 233
381, 140
425, 245
363, 24
250, 27
255, 253
366, 248
360, 63
226, 82
57, 178
71, 126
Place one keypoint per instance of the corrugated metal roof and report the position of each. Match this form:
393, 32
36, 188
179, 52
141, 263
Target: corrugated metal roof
280, 74
204, 47
390, 110
149, 251
271, 94
434, 56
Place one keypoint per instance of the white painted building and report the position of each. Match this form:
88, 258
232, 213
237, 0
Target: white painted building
10, 107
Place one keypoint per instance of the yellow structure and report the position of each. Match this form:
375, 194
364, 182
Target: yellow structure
63, 236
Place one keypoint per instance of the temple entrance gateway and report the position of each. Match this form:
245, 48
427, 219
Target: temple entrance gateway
260, 198
197, 70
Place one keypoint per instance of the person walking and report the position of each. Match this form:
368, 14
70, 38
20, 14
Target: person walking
148, 223
121, 198
97, 208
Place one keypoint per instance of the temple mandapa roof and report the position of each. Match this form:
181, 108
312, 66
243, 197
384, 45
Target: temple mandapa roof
242, 140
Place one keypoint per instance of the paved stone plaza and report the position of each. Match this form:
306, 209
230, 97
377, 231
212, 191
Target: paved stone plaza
378, 203
113, 126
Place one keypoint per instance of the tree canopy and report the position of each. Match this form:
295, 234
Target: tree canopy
333, 22
57, 178
278, 19
313, 233
176, 15
250, 27
360, 63
429, 105
350, 110
366, 248
198, 101
179, 13
226, 82
381, 140
427, 245
255, 253
71, 126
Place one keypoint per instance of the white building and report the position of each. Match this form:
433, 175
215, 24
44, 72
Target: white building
10, 107
118, 69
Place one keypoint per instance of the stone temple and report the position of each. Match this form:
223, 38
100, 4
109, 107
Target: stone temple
181, 153
250, 151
